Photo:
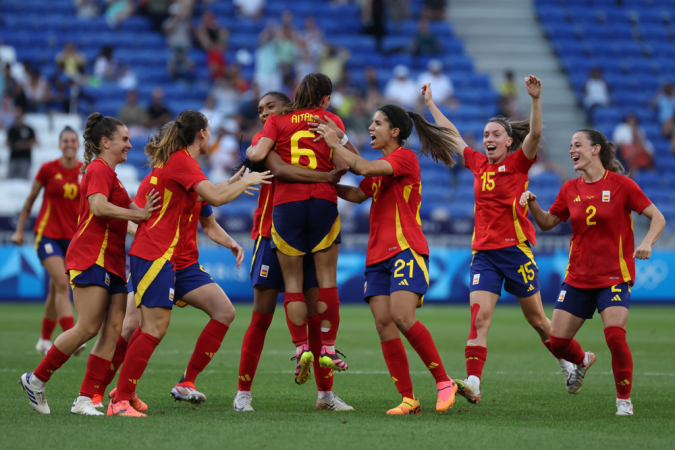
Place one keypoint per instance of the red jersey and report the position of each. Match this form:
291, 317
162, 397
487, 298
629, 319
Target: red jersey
175, 181
295, 144
395, 223
97, 240
500, 221
602, 245
142, 192
61, 201
188, 250
262, 218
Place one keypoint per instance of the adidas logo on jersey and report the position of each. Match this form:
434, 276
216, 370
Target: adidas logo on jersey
531, 288
578, 199
616, 298
404, 283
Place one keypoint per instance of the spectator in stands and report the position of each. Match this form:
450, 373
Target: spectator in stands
286, 42
132, 114
372, 82
401, 89
180, 66
267, 74
87, 8
440, 83
596, 90
157, 10
104, 65
118, 11
434, 10
61, 89
74, 62
313, 38
425, 43
357, 123
305, 62
158, 113
178, 27
250, 9
398, 9
209, 32
224, 152
20, 140
664, 102
240, 83
509, 106
333, 62
215, 60
372, 17
211, 112
227, 97
634, 149
7, 112
37, 92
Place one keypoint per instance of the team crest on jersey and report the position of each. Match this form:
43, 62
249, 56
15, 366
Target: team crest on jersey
264, 270
476, 279
171, 292
605, 196
502, 168
561, 297
107, 279
48, 248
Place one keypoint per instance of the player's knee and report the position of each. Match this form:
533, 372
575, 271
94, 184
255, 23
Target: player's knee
403, 321
538, 323
61, 285
225, 314
87, 331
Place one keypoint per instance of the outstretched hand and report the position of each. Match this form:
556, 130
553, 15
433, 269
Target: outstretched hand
151, 204
256, 178
238, 176
533, 86
313, 126
426, 92
328, 134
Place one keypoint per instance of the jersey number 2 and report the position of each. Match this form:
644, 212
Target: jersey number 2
591, 212
297, 152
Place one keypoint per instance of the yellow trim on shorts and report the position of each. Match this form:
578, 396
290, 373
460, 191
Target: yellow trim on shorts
425, 271
73, 274
282, 246
255, 251
328, 240
527, 250
625, 273
148, 278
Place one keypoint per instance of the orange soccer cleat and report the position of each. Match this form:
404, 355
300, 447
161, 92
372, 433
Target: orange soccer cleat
407, 406
135, 402
446, 395
123, 409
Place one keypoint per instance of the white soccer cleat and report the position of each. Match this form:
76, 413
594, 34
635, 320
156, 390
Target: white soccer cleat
43, 346
186, 392
576, 380
469, 390
84, 405
79, 350
242, 402
567, 369
624, 408
36, 395
334, 403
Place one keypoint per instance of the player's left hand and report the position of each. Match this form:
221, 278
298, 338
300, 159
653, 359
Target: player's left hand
328, 134
533, 86
238, 176
238, 253
644, 251
328, 122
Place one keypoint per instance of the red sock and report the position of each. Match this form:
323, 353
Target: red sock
298, 332
137, 332
118, 359
622, 361
567, 349
251, 348
138, 355
207, 346
97, 368
330, 297
421, 340
67, 323
48, 326
547, 344
52, 361
397, 363
323, 375
475, 360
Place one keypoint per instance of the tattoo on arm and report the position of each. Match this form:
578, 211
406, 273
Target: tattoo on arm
355, 163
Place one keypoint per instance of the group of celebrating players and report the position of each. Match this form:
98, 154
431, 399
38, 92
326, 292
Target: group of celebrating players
297, 160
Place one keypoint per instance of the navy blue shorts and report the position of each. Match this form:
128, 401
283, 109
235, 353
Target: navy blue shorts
154, 282
305, 227
406, 271
47, 247
512, 267
583, 302
188, 279
265, 269
98, 276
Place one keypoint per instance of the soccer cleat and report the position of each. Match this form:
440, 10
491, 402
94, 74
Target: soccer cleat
135, 402
304, 359
79, 350
407, 406
576, 379
446, 396
624, 408
84, 406
123, 409
36, 395
242, 402
334, 403
97, 400
469, 391
43, 346
566, 367
186, 392
330, 360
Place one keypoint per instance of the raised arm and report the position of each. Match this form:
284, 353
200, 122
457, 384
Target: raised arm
217, 196
439, 118
17, 237
294, 174
545, 220
358, 165
531, 142
101, 207
352, 194
259, 151
644, 250
218, 235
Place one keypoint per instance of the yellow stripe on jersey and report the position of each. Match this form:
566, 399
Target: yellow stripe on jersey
41, 227
527, 205
527, 250
406, 192
282, 246
328, 240
91, 216
255, 252
100, 261
419, 207
262, 218
630, 217
516, 223
606, 173
156, 267
569, 258
402, 242
73, 274
165, 205
622, 262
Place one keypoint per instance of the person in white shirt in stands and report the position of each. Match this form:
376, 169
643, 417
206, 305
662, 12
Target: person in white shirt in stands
402, 90
443, 88
596, 90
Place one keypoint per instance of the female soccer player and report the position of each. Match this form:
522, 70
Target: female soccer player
397, 261
267, 280
96, 264
601, 268
153, 258
54, 228
502, 232
305, 218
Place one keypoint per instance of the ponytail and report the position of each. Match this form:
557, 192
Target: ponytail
438, 143
517, 131
607, 151
175, 136
96, 128
309, 93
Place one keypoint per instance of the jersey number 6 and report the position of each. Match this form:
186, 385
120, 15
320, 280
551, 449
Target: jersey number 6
297, 152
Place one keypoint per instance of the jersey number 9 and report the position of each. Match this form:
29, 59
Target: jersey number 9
297, 152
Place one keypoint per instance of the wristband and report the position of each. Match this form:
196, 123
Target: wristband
344, 139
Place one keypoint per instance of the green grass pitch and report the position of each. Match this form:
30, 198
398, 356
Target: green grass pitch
524, 405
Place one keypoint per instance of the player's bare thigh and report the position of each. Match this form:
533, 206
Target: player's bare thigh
565, 325
614, 316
